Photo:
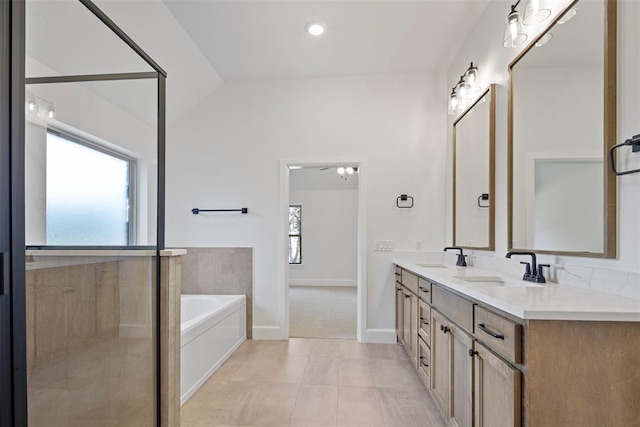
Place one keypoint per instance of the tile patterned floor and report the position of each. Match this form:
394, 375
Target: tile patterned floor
313, 382
323, 311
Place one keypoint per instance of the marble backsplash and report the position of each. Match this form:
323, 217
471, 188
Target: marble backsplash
608, 281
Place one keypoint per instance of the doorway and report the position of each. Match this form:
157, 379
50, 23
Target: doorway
323, 257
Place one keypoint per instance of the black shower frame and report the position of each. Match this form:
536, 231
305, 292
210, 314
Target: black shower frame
12, 89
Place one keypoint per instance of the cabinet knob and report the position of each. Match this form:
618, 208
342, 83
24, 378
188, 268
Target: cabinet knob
444, 329
423, 289
472, 352
407, 296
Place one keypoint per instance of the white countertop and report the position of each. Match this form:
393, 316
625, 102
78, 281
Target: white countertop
550, 301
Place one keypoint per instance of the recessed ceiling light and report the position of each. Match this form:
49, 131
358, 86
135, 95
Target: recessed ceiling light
315, 28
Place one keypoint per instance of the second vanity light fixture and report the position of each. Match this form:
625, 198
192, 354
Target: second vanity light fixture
535, 12
462, 93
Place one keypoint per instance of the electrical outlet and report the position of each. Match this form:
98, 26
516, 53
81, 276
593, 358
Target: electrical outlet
383, 245
418, 245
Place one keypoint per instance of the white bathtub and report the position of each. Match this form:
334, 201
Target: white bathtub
212, 328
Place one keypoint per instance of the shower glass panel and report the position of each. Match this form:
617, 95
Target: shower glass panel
92, 139
92, 168
91, 339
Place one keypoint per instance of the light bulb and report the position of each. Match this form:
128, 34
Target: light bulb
341, 170
31, 104
52, 112
349, 170
453, 102
315, 29
513, 34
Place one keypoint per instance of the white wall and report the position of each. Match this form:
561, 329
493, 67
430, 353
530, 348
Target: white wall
226, 154
329, 238
484, 48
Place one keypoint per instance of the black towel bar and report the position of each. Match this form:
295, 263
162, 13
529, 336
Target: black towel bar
196, 211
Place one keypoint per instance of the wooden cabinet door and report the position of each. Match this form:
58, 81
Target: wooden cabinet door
497, 391
440, 361
461, 407
406, 322
399, 314
413, 303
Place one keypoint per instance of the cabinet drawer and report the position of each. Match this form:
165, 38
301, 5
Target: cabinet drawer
500, 334
410, 281
424, 360
424, 320
424, 290
455, 308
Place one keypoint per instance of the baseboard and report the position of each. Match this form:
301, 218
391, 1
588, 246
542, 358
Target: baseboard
380, 336
305, 282
268, 333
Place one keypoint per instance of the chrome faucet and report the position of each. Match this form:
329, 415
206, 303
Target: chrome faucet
462, 262
533, 272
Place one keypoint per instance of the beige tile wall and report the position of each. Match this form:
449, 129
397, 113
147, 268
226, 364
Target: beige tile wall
220, 271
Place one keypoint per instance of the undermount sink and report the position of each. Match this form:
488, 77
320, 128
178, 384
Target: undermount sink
431, 265
497, 281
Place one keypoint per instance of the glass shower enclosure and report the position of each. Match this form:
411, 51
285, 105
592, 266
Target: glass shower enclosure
94, 209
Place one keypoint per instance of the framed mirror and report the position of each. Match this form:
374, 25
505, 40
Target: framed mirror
474, 174
562, 122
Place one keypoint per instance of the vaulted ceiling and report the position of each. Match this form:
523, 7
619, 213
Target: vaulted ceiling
249, 40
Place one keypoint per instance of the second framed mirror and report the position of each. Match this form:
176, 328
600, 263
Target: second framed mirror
474, 174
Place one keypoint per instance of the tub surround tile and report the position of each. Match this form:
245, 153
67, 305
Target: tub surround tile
220, 271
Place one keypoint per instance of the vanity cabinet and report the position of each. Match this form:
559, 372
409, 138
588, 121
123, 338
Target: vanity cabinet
496, 390
486, 367
407, 313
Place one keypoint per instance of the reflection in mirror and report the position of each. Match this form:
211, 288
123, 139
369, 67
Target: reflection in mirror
473, 169
562, 121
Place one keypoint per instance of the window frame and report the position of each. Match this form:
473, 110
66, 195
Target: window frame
132, 163
298, 235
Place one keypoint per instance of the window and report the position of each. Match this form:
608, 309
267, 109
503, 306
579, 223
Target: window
295, 234
88, 194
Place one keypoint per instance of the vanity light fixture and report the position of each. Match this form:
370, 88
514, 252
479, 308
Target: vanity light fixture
568, 15
33, 104
346, 171
514, 36
462, 93
316, 28
536, 12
